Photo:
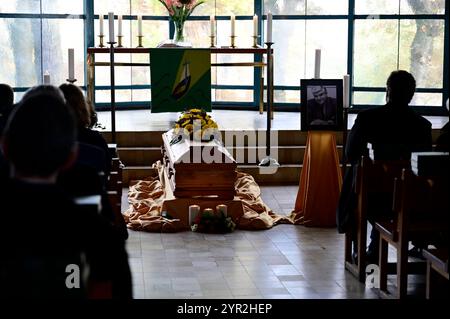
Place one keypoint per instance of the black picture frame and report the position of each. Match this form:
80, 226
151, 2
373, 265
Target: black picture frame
330, 117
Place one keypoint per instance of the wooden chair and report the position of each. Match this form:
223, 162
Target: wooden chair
437, 273
375, 180
421, 205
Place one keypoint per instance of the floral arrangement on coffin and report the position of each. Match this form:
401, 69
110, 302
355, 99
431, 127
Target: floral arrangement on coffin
196, 123
179, 11
210, 222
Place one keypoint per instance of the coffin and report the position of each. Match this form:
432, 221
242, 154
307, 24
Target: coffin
197, 168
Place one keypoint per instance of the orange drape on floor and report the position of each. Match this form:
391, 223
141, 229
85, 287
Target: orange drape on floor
320, 182
149, 197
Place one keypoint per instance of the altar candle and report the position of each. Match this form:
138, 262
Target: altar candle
119, 26
71, 62
212, 21
111, 26
46, 78
255, 25
101, 24
346, 91
233, 21
139, 25
222, 210
194, 210
317, 64
269, 27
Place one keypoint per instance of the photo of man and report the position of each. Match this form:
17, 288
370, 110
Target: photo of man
321, 105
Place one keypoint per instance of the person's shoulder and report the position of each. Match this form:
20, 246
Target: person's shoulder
371, 114
419, 119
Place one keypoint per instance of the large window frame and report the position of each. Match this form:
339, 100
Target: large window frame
90, 19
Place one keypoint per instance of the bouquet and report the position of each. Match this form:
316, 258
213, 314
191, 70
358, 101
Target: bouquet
179, 11
210, 222
198, 124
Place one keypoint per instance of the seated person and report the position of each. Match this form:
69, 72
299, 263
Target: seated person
77, 102
6, 104
395, 131
442, 143
56, 236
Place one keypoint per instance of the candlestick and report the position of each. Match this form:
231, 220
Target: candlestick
233, 22
255, 41
46, 78
101, 25
101, 45
317, 64
71, 63
119, 26
233, 38
212, 22
111, 26
119, 41
255, 25
139, 25
346, 91
269, 27
213, 41
140, 41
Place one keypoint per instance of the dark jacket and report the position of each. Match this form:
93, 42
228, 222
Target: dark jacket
394, 133
92, 137
47, 232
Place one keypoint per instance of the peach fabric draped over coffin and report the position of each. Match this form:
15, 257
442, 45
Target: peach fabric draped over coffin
320, 182
149, 197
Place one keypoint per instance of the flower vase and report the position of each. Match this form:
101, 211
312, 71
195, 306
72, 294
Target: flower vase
179, 36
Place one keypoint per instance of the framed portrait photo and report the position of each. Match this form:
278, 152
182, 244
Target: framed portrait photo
321, 105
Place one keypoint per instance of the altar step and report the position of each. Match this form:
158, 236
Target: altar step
285, 175
144, 156
154, 138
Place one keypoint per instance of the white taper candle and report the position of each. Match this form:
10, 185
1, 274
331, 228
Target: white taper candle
71, 62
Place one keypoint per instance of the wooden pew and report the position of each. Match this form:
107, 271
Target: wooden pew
437, 273
422, 206
374, 179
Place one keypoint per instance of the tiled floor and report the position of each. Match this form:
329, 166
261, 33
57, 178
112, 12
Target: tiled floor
284, 262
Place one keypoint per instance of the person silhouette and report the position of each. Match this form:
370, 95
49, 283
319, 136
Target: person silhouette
395, 131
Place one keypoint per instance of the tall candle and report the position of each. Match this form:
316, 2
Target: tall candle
317, 64
255, 25
111, 26
346, 91
233, 21
269, 27
212, 21
119, 26
139, 25
101, 24
47, 78
71, 64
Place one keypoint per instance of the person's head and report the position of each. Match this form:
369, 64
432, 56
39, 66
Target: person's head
6, 97
40, 135
77, 102
401, 86
320, 94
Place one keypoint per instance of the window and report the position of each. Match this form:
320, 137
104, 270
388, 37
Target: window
34, 43
365, 38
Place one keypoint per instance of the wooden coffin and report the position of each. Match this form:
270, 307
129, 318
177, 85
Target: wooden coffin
198, 169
